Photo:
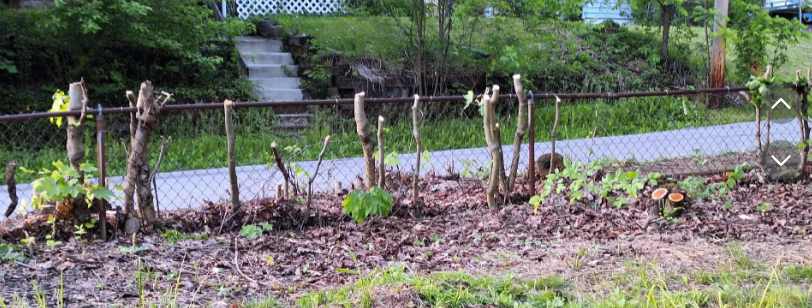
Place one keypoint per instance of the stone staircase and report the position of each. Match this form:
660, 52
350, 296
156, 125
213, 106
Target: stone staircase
271, 70
275, 77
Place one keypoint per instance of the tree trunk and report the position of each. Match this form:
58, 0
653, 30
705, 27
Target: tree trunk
521, 129
76, 147
365, 133
11, 184
668, 11
137, 165
232, 159
497, 176
716, 101
416, 134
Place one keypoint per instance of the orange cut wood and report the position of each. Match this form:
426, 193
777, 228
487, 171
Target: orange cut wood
659, 193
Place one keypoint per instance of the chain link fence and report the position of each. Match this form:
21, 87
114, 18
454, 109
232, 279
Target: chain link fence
670, 135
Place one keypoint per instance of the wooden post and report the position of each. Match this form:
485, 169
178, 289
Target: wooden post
521, 129
531, 173
716, 101
381, 155
100, 151
76, 145
416, 134
365, 132
228, 107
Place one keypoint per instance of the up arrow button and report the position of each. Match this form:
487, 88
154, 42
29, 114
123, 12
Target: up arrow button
780, 101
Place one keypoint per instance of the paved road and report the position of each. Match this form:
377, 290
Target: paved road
187, 189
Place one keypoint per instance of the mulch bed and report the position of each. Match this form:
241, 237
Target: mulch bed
452, 229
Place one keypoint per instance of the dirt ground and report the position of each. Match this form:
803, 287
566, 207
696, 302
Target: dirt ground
451, 230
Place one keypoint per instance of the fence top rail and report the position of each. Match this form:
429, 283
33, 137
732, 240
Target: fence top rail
349, 101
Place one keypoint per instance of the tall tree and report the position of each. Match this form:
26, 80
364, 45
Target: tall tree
666, 11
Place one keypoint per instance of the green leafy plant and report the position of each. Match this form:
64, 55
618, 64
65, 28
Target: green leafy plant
360, 204
578, 179
174, 236
255, 231
7, 254
62, 184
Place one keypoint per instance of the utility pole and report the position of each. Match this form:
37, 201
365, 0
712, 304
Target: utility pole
716, 101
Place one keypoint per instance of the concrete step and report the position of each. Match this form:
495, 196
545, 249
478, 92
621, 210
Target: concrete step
277, 83
271, 71
267, 58
295, 120
276, 95
259, 45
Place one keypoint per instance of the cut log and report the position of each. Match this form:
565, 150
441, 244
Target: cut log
228, 108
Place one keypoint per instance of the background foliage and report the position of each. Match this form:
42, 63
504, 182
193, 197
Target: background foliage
115, 45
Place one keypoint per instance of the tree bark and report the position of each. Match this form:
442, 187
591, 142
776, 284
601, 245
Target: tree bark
228, 107
11, 184
668, 10
138, 174
716, 101
416, 134
497, 137
521, 129
76, 145
801, 110
497, 175
365, 133
381, 155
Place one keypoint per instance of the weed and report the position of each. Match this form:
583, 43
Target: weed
360, 204
255, 231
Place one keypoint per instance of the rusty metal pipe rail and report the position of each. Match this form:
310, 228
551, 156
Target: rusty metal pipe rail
349, 101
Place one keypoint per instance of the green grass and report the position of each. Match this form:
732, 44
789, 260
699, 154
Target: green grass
637, 285
199, 143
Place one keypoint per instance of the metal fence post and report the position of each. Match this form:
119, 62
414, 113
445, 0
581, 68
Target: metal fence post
532, 143
102, 172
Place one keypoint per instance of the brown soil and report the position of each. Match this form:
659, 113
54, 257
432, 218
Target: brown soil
451, 230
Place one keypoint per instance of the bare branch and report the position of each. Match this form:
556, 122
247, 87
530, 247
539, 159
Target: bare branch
281, 166
316, 173
381, 155
552, 135
164, 143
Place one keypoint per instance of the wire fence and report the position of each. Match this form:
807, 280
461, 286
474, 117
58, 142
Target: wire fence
666, 132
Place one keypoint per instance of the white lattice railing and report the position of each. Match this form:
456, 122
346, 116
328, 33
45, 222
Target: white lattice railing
246, 8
